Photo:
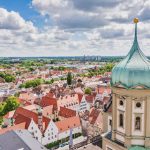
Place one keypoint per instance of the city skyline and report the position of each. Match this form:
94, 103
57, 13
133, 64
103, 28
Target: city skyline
72, 27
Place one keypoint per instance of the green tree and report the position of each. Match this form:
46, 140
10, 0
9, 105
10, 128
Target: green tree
109, 67
88, 91
31, 69
1, 120
52, 80
69, 78
9, 78
11, 104
2, 108
48, 82
31, 83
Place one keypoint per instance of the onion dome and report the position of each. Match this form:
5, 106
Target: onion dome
134, 70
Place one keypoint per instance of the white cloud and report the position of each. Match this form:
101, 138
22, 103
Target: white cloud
13, 21
77, 27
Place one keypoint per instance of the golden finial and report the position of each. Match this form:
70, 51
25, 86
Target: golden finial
136, 20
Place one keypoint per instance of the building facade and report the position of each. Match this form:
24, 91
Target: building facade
131, 102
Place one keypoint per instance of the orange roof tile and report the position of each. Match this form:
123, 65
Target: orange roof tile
47, 101
94, 115
48, 110
102, 89
66, 112
68, 123
24, 102
80, 97
24, 115
50, 94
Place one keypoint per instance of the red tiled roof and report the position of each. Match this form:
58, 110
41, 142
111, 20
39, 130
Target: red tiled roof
47, 110
94, 115
47, 101
68, 123
24, 115
20, 119
102, 89
80, 97
66, 112
24, 102
50, 94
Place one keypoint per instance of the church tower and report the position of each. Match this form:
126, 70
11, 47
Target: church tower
131, 102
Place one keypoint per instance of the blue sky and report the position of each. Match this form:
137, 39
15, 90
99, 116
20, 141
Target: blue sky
21, 6
24, 8
72, 27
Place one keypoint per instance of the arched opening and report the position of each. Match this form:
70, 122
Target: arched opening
137, 123
121, 120
121, 103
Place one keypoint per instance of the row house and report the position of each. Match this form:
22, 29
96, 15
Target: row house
66, 112
44, 129
61, 129
69, 101
83, 104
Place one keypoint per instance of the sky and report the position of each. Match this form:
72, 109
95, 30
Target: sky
72, 27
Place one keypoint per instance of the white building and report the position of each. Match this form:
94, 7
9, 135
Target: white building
83, 105
44, 129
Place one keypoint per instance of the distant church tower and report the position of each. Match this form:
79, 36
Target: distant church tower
131, 102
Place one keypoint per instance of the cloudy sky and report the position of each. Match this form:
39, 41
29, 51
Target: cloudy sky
72, 27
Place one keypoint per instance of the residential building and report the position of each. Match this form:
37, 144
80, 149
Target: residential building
83, 104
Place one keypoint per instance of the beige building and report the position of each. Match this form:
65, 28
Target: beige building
131, 102
107, 120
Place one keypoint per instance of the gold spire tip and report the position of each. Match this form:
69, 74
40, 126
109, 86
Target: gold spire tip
136, 20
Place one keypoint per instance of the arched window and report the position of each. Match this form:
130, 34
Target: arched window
121, 103
137, 123
121, 119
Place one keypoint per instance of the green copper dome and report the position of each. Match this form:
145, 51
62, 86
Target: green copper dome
134, 70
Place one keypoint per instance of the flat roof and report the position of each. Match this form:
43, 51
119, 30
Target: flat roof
29, 140
19, 140
11, 141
